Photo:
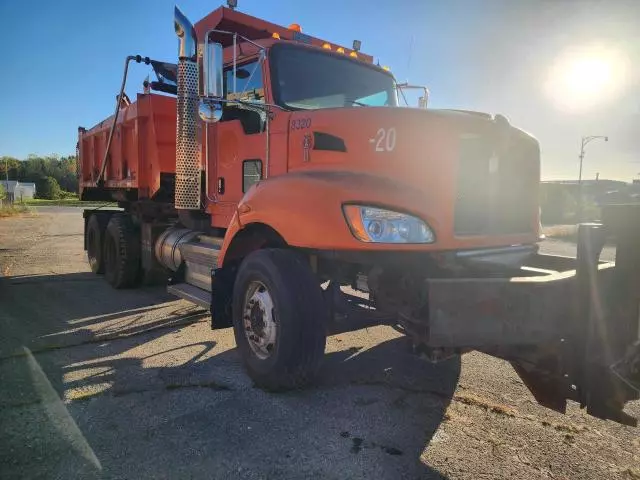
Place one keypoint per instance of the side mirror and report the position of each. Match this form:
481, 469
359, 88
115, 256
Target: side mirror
213, 64
210, 112
211, 88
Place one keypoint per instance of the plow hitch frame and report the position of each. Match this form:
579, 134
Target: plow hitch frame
569, 326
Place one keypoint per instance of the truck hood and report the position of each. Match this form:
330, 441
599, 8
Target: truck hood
472, 169
403, 143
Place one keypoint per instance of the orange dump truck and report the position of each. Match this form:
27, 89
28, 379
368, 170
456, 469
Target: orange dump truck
267, 168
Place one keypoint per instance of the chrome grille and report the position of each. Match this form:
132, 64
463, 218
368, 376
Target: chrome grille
497, 192
188, 176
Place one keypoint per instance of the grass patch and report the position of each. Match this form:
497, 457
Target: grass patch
568, 233
14, 209
563, 427
633, 472
489, 406
66, 202
560, 231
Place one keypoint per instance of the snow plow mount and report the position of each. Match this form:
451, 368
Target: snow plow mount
570, 327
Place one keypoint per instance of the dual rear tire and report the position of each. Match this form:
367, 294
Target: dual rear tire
113, 249
96, 227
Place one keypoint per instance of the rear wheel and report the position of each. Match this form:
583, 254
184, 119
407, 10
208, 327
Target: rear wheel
96, 227
122, 252
279, 319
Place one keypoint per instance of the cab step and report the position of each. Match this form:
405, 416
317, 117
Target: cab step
200, 259
191, 293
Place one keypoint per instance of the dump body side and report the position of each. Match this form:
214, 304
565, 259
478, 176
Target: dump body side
142, 153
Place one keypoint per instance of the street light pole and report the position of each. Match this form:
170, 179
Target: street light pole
583, 143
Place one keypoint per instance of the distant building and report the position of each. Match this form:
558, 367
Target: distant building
19, 191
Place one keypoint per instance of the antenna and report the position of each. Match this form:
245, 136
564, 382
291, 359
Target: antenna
409, 59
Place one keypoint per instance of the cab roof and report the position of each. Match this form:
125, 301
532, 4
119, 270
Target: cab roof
256, 29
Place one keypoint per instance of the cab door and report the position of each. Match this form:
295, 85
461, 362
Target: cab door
237, 143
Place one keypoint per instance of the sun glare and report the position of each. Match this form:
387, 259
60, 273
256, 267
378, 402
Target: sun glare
583, 78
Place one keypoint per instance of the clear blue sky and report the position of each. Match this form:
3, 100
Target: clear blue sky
63, 63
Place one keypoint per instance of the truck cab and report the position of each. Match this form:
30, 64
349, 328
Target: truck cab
329, 111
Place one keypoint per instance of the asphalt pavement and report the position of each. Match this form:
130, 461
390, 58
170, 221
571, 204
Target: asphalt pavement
98, 383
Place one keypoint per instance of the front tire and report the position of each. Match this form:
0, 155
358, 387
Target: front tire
122, 252
279, 319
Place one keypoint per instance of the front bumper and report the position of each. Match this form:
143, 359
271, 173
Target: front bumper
485, 312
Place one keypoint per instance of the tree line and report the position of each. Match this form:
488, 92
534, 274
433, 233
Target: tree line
54, 175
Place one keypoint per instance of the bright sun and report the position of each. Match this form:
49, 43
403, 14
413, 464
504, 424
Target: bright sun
583, 78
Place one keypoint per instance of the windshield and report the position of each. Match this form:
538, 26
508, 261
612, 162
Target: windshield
309, 79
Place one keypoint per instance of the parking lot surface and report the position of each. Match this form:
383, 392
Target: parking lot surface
98, 383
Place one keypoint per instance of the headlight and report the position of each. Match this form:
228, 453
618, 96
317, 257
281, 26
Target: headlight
371, 224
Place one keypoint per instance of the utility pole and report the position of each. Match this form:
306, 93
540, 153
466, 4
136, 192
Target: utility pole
585, 141
6, 175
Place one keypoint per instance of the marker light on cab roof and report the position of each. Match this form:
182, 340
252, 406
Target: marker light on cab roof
353, 54
340, 50
276, 35
295, 27
326, 46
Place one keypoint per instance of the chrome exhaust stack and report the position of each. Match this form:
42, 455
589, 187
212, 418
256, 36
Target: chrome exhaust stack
188, 161
186, 34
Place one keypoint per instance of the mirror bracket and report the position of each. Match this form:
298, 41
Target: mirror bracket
423, 100
211, 87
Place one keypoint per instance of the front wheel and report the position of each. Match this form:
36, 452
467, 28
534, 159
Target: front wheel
279, 319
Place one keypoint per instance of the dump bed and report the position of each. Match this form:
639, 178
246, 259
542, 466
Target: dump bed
141, 161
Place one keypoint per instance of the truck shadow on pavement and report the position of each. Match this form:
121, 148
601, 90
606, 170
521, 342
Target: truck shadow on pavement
119, 384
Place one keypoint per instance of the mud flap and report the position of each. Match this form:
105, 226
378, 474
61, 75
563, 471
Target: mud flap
222, 280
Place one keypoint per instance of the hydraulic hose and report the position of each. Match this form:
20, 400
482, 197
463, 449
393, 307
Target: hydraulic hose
103, 167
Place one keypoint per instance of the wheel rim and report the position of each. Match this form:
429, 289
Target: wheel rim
259, 320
